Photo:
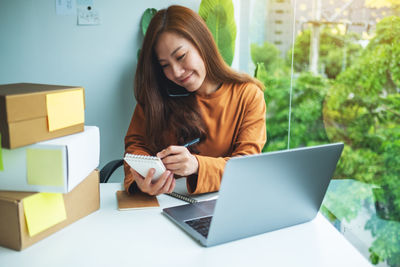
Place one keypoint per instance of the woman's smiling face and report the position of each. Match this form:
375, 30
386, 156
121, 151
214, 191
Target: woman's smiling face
181, 62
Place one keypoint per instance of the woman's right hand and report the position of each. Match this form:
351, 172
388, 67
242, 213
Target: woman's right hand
165, 184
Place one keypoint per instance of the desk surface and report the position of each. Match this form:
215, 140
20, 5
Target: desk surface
110, 237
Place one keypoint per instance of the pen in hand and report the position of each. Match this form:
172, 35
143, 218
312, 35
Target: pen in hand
195, 141
188, 144
180, 196
171, 151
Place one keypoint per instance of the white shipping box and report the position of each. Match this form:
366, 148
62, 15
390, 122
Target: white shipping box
55, 165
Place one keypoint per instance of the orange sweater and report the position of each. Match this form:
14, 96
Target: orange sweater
235, 120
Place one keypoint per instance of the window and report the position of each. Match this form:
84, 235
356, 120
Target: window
339, 97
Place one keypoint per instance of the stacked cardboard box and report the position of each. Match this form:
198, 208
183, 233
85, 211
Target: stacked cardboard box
45, 149
30, 113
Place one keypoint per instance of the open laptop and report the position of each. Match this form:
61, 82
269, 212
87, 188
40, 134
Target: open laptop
261, 193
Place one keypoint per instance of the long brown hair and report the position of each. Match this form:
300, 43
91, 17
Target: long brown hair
179, 116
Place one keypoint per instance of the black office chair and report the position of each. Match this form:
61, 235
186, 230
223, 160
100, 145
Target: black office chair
109, 168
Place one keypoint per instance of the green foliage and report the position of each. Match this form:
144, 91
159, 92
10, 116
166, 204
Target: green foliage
359, 164
307, 125
219, 17
333, 47
387, 32
359, 105
301, 51
344, 201
346, 198
309, 91
387, 240
362, 109
148, 14
277, 98
328, 214
268, 54
260, 71
364, 101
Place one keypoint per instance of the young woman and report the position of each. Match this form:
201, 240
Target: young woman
185, 90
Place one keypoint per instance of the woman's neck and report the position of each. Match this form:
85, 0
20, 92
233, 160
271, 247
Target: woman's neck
208, 87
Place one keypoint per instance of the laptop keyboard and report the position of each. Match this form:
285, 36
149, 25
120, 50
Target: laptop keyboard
201, 225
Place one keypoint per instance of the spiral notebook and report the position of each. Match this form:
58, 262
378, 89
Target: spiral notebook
142, 164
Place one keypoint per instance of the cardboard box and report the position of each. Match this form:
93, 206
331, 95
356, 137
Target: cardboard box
80, 202
56, 165
25, 109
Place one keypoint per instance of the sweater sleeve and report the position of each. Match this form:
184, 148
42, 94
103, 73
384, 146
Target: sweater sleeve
135, 144
250, 139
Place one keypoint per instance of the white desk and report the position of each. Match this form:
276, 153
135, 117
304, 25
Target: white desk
110, 237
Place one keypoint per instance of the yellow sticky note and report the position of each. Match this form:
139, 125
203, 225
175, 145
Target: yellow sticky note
43, 210
44, 166
65, 109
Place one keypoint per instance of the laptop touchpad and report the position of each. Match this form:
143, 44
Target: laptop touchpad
191, 211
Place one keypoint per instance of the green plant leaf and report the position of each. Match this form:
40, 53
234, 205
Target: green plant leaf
146, 18
206, 7
219, 17
260, 70
217, 23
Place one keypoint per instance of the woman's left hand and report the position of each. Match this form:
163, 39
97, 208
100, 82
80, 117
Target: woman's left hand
179, 160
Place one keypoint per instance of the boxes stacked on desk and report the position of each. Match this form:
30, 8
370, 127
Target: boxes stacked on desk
62, 168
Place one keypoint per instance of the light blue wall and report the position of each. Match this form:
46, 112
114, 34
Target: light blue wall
38, 46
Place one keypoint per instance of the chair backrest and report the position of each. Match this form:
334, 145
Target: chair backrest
109, 168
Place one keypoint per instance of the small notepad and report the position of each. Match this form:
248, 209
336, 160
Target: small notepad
142, 164
138, 200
